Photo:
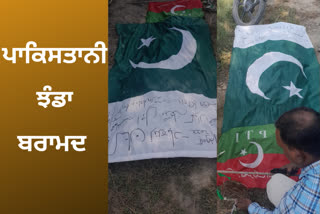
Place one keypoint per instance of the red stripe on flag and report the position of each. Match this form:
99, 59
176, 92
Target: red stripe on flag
159, 7
270, 161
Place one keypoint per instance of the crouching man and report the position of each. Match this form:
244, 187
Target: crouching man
298, 134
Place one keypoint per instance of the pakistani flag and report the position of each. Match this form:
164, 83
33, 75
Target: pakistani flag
162, 91
159, 11
273, 69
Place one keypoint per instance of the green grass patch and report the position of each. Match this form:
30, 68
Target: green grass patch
225, 33
279, 13
157, 186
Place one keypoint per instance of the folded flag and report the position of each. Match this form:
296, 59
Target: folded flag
273, 69
159, 11
162, 91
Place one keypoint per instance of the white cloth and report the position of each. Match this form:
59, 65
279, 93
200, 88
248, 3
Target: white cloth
277, 186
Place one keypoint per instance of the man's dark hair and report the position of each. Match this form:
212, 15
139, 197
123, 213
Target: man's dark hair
300, 128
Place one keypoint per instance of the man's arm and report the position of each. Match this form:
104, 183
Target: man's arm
286, 206
253, 208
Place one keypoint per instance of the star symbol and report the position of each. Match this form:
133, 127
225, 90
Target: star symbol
146, 42
293, 90
243, 152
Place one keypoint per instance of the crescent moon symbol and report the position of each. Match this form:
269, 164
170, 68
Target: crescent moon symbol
172, 9
259, 66
182, 58
258, 160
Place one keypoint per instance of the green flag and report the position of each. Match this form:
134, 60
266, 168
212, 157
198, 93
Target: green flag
159, 11
273, 69
162, 91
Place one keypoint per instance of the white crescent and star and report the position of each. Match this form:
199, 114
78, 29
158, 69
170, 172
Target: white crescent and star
177, 61
259, 66
258, 159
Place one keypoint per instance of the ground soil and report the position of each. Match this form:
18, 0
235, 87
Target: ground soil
308, 15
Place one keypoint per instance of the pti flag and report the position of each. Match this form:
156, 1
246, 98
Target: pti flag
273, 69
162, 92
159, 11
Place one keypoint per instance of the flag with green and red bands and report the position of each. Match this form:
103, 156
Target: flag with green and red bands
159, 11
273, 69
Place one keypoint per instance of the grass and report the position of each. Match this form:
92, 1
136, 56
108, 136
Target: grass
225, 35
160, 186
280, 13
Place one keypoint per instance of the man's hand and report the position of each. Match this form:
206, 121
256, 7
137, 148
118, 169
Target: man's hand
291, 168
243, 203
